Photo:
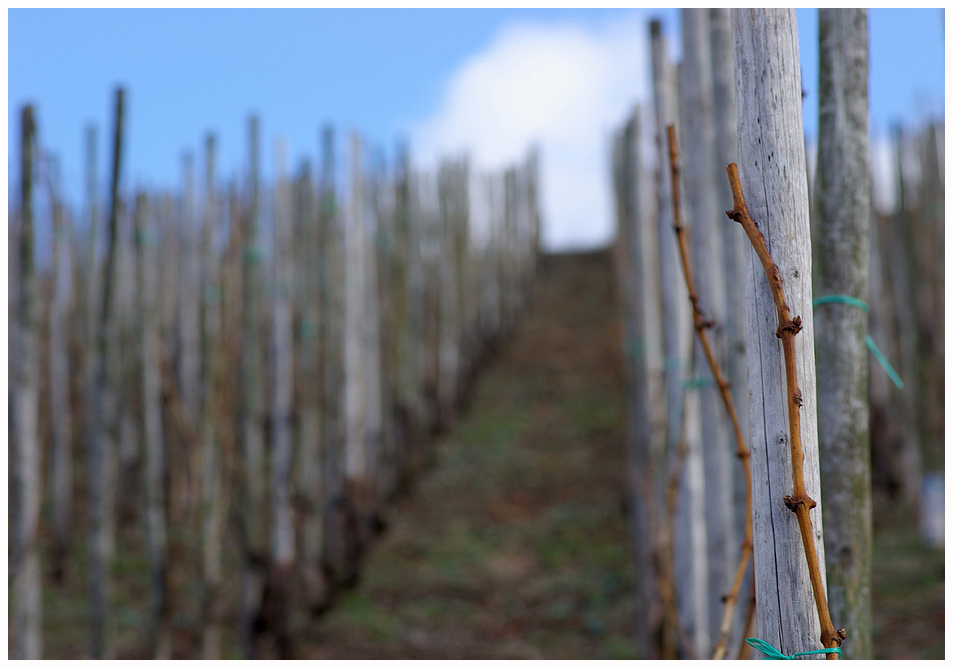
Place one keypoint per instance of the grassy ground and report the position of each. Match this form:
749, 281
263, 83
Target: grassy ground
513, 545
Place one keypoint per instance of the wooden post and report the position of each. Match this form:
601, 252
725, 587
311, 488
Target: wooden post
331, 340
151, 436
311, 294
252, 437
732, 237
104, 425
373, 379
676, 335
93, 213
282, 529
189, 328
356, 362
26, 611
213, 356
707, 259
733, 242
92, 276
61, 459
127, 364
449, 296
773, 176
188, 333
169, 271
641, 343
843, 205
416, 313
930, 261
401, 309
387, 288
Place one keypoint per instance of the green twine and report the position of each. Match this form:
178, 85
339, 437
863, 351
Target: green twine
145, 238
698, 382
252, 254
675, 363
308, 328
212, 294
635, 348
879, 356
772, 653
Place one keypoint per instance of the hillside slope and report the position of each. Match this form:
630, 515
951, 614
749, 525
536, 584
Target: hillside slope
513, 545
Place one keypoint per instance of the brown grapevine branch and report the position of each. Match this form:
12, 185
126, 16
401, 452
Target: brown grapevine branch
701, 325
799, 502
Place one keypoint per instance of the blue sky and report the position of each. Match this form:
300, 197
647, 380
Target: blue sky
391, 74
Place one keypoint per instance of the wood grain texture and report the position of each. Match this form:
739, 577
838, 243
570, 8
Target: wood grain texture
773, 175
842, 199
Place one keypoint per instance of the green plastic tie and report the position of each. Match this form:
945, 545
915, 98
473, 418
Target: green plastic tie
252, 254
772, 653
698, 382
145, 238
879, 356
675, 363
308, 328
636, 348
212, 294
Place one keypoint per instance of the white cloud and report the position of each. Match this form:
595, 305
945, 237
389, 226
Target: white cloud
562, 86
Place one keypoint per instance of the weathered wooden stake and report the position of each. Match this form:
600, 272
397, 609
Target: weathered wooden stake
674, 321
252, 411
26, 611
282, 528
707, 259
843, 206
104, 424
210, 429
151, 436
61, 464
771, 152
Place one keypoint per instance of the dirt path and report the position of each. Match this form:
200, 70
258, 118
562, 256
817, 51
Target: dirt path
513, 545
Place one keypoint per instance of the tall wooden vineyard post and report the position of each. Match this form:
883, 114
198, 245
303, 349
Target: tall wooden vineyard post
402, 320
449, 296
252, 411
308, 293
733, 243
61, 456
188, 372
774, 180
842, 196
26, 610
356, 465
210, 423
641, 343
370, 494
151, 435
675, 337
104, 427
706, 251
281, 459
